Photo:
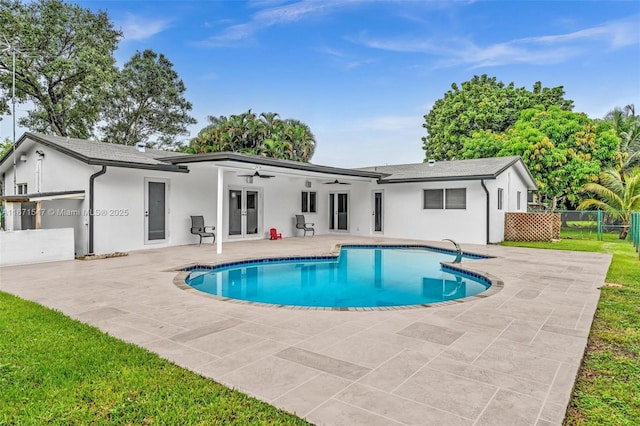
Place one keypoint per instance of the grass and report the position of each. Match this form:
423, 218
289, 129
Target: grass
607, 389
54, 370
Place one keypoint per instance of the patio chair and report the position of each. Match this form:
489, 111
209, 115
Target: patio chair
301, 224
198, 228
274, 234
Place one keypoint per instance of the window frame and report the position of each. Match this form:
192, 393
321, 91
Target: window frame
500, 198
21, 188
446, 199
443, 201
424, 199
309, 202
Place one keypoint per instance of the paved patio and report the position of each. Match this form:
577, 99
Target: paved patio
510, 358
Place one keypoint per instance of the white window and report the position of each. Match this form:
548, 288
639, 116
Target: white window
500, 198
518, 197
22, 188
308, 202
438, 199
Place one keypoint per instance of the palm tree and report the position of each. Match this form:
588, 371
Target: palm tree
301, 138
630, 147
617, 193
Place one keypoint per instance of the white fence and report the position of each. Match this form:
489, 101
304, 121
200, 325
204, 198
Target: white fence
36, 246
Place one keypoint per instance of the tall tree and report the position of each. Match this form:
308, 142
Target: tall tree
482, 103
626, 124
265, 134
615, 193
64, 63
146, 102
562, 149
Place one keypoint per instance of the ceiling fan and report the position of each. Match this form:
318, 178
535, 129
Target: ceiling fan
337, 182
258, 174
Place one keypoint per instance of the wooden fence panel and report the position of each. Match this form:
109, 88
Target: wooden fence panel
537, 226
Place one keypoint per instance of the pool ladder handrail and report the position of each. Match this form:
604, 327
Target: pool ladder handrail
459, 252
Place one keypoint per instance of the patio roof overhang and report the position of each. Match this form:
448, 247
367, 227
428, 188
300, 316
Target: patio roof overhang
247, 162
44, 196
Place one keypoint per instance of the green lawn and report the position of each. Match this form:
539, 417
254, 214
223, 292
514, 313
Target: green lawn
607, 390
54, 370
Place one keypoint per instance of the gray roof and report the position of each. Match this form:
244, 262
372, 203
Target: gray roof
100, 153
106, 154
268, 161
481, 168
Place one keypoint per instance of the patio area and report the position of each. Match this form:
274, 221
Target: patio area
510, 358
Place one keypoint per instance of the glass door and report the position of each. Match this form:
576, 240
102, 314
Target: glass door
339, 211
244, 212
377, 211
251, 213
156, 211
235, 212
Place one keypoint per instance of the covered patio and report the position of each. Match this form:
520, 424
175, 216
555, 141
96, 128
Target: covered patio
510, 358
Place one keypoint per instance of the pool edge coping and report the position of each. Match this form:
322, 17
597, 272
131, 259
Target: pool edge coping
495, 284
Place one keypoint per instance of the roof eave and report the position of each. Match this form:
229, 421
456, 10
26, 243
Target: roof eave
436, 179
266, 161
96, 161
128, 165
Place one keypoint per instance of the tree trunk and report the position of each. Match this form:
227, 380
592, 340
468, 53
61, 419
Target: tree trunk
624, 232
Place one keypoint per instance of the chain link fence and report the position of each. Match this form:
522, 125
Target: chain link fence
591, 225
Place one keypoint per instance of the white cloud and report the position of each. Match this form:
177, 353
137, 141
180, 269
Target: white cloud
271, 16
545, 49
139, 28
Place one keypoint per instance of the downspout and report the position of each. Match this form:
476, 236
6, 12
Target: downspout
486, 191
91, 179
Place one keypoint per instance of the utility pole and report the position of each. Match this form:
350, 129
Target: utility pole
12, 48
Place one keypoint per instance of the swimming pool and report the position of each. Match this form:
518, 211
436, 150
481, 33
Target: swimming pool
361, 276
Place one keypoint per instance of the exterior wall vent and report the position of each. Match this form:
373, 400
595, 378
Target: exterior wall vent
307, 184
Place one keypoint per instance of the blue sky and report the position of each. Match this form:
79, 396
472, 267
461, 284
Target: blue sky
362, 74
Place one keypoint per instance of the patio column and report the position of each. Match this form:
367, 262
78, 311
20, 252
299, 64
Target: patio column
38, 215
219, 209
10, 215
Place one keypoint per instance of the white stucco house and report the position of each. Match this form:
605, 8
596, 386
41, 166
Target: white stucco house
122, 198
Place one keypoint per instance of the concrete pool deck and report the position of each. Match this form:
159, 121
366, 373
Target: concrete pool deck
510, 358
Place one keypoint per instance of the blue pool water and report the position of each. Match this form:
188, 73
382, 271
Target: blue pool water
359, 277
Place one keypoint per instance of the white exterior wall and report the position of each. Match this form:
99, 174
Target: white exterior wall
59, 171
282, 200
120, 194
404, 216
36, 246
511, 182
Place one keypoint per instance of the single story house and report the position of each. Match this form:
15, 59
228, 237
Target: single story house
119, 198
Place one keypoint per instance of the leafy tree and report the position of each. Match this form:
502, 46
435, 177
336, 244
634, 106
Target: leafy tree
64, 63
146, 101
483, 103
626, 124
5, 146
616, 193
562, 149
265, 135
